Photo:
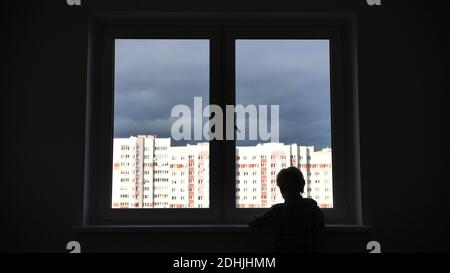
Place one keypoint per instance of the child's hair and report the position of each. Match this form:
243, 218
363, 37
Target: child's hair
291, 181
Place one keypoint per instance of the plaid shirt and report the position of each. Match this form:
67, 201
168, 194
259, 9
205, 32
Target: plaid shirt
294, 224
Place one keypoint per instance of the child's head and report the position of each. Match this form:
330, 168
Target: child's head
291, 182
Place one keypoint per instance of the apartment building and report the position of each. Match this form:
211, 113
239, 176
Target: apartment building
149, 173
258, 166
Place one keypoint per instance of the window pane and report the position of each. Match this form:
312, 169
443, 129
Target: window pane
294, 74
150, 169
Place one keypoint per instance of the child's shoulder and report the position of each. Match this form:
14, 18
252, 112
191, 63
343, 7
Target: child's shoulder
309, 201
277, 206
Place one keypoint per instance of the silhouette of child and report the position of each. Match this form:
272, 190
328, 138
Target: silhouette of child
295, 223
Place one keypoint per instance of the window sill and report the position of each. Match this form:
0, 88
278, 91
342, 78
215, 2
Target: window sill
206, 228
206, 239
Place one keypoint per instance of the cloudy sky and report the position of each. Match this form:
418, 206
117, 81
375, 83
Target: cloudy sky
152, 76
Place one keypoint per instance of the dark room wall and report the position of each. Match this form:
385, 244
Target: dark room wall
403, 84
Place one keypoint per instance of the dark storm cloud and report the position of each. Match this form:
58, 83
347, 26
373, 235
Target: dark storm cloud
153, 76
292, 74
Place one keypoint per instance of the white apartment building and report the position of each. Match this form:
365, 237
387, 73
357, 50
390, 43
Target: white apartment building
149, 173
258, 166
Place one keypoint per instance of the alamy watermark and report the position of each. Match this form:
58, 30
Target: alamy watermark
374, 247
74, 247
73, 2
374, 2
214, 129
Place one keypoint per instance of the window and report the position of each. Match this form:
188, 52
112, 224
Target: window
139, 71
151, 76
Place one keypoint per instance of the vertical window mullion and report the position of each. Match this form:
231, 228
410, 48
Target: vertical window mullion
215, 98
229, 74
